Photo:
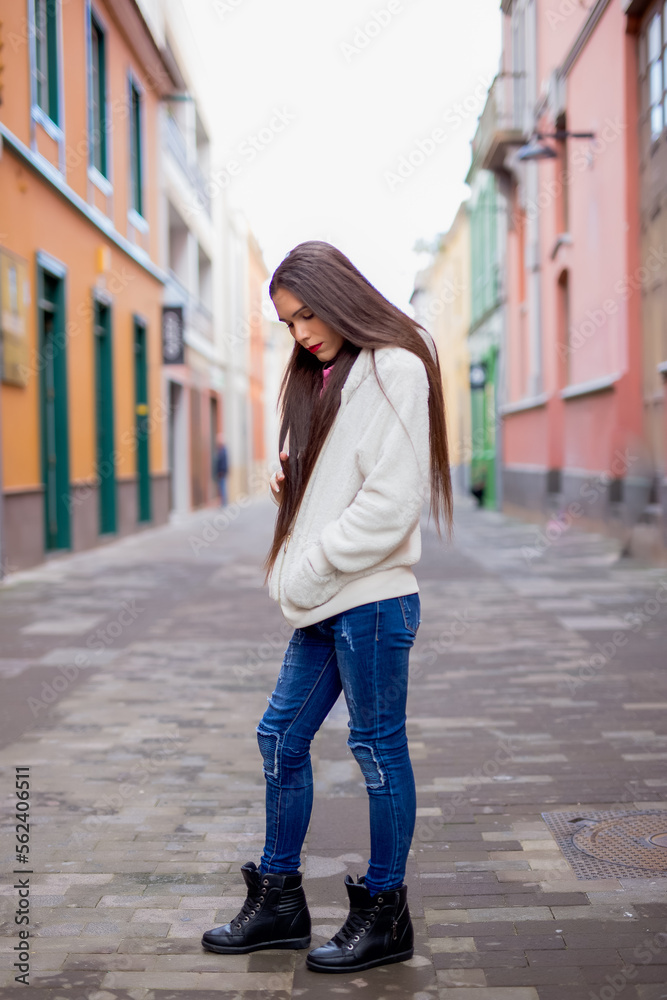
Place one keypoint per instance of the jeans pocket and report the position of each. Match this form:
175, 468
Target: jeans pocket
411, 608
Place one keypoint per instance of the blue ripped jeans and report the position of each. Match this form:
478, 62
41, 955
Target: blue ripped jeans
364, 653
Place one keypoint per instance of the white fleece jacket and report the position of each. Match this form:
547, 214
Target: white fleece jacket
356, 535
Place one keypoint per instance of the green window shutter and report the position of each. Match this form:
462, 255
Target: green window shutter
52, 49
98, 140
46, 57
41, 56
135, 149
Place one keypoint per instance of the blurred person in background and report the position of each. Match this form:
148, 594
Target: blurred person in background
221, 469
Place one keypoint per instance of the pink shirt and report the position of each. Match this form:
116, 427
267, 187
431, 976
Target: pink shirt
326, 372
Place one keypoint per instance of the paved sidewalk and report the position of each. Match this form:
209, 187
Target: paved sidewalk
131, 682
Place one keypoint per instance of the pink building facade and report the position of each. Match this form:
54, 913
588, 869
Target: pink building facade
583, 411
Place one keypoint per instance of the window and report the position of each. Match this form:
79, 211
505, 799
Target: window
98, 123
46, 58
656, 70
137, 200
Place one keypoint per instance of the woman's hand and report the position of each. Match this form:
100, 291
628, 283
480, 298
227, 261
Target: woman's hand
277, 478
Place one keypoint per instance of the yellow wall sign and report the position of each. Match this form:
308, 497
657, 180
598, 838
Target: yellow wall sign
14, 302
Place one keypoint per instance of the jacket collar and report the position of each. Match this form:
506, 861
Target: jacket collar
359, 371
363, 366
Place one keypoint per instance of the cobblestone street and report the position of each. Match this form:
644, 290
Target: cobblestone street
133, 677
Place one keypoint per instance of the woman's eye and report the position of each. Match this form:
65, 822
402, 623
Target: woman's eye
309, 317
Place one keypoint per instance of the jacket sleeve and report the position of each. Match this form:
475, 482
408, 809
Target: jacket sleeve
394, 459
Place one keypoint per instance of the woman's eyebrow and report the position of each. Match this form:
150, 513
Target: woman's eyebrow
294, 315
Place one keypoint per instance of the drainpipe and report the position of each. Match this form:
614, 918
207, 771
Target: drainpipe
534, 267
2, 502
2, 492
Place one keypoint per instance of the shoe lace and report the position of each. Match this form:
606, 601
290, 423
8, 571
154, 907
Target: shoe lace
357, 924
250, 907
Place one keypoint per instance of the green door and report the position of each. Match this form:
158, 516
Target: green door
490, 431
53, 407
483, 404
141, 424
106, 464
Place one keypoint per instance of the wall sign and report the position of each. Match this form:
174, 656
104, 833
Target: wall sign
173, 346
14, 302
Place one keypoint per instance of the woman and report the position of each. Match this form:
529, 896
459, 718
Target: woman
363, 414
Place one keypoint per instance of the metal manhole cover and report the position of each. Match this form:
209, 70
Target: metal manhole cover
612, 844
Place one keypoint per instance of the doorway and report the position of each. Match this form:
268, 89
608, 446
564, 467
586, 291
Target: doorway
53, 405
104, 419
142, 429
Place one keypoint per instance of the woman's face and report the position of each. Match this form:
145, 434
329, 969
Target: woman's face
306, 328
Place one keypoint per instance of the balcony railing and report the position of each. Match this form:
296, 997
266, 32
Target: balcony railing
177, 146
176, 143
500, 125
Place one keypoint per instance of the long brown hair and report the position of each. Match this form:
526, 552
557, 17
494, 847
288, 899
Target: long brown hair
327, 282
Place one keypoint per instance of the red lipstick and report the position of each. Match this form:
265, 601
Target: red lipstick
315, 348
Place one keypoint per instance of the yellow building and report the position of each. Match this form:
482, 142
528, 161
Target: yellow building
82, 418
441, 301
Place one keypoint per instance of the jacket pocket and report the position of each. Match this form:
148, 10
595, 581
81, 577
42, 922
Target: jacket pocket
306, 588
411, 608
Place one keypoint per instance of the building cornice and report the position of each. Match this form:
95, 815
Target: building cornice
580, 41
635, 8
592, 385
162, 75
530, 403
61, 187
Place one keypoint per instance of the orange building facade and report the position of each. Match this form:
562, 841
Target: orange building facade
82, 417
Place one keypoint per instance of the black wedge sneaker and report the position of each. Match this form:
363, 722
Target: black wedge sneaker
378, 930
274, 915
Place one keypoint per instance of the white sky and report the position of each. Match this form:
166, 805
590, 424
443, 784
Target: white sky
355, 111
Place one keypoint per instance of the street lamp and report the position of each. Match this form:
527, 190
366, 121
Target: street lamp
536, 150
